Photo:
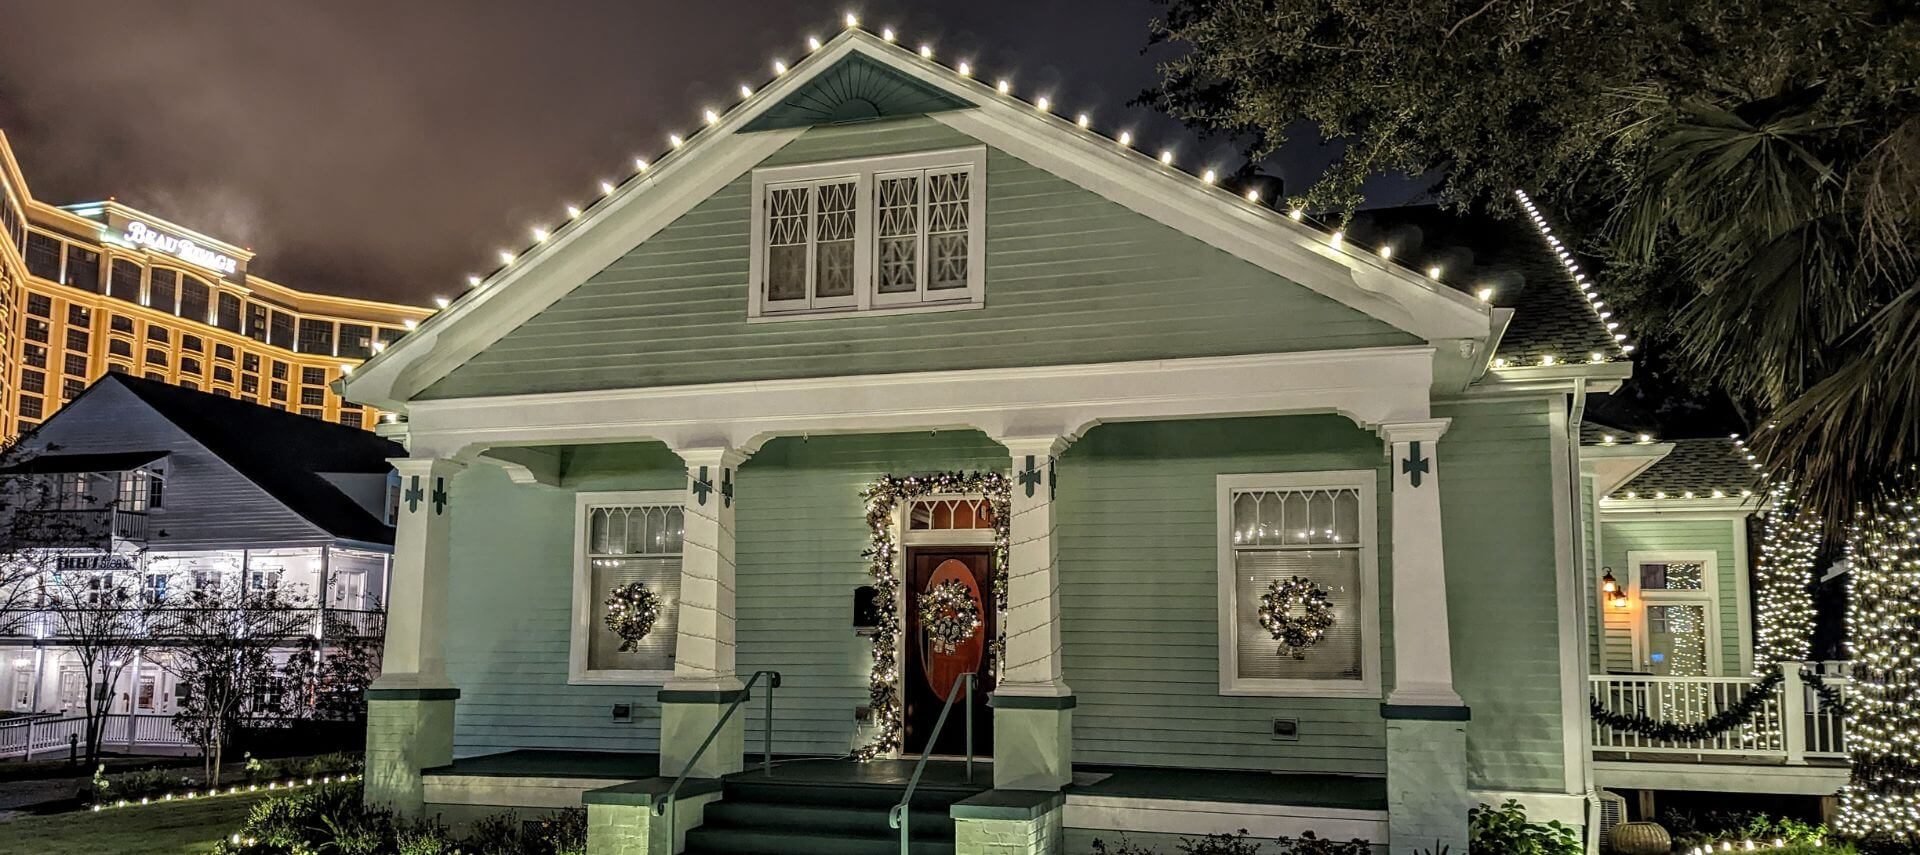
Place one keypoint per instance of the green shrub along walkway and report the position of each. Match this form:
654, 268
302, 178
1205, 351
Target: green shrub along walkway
174, 828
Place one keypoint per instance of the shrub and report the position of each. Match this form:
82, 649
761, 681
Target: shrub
135, 785
1505, 831
333, 819
1239, 843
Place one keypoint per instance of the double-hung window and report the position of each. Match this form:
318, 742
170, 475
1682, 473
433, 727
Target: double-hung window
1286, 539
894, 233
1680, 615
622, 538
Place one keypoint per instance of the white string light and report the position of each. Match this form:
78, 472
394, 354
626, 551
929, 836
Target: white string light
1572, 267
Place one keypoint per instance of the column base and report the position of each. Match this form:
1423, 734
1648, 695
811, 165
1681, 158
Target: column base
686, 717
621, 819
1032, 742
409, 730
1427, 797
1010, 822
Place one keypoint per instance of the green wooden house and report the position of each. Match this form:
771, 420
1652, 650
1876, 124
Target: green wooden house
891, 382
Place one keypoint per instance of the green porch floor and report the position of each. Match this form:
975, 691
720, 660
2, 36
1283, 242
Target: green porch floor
540, 763
1350, 792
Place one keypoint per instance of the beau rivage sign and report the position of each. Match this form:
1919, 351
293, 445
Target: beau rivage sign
146, 235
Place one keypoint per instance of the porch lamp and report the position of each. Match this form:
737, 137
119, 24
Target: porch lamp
1611, 587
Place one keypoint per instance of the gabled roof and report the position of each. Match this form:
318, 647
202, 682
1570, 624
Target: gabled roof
281, 452
1550, 315
115, 461
1684, 469
532, 277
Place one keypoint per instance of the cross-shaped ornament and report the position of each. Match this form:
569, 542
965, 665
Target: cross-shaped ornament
1030, 476
1415, 465
702, 485
414, 495
726, 487
439, 496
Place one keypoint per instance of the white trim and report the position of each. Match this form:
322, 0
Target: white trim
1179, 816
1370, 386
718, 154
1363, 481
1570, 572
1708, 596
1720, 777
864, 171
579, 639
1742, 596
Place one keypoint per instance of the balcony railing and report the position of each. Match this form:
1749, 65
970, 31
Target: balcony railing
339, 624
88, 528
1792, 726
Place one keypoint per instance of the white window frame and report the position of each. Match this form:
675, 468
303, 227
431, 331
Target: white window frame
1365, 483
866, 300
1708, 596
578, 674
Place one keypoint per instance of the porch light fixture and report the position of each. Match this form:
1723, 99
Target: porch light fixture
1616, 596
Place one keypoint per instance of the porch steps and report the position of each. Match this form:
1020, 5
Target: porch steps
812, 818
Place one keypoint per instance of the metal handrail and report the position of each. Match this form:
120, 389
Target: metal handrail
899, 817
766, 758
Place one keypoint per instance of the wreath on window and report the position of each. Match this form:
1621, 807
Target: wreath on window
631, 612
1296, 632
949, 615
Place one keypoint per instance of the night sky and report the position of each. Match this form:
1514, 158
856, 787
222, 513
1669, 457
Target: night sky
385, 149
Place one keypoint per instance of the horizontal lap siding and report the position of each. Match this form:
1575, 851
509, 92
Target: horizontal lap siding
1496, 504
512, 608
1070, 278
1590, 532
800, 532
1139, 533
1622, 536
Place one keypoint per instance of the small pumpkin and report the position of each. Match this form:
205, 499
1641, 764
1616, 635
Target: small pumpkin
1640, 838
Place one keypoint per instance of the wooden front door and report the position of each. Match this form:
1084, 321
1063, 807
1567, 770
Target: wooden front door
932, 667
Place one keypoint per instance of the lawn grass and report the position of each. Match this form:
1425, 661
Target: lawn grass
182, 828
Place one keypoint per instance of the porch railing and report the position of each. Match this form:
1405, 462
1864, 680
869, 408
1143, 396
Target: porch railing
900, 816
665, 806
43, 736
1790, 727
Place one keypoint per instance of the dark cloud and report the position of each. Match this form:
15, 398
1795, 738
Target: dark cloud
383, 148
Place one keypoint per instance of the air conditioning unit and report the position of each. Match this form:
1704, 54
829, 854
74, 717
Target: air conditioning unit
1613, 811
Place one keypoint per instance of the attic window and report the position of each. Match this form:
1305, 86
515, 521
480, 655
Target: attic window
885, 234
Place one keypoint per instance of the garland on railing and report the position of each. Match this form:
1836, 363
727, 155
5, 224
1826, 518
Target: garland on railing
882, 497
1719, 723
1829, 696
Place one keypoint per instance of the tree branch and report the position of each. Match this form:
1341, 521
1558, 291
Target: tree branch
1448, 36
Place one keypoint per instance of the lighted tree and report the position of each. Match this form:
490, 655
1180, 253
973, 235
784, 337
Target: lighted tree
1789, 544
1883, 721
221, 640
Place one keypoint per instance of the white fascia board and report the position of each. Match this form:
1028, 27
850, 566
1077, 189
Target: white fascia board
717, 154
1680, 508
1370, 386
1600, 378
1614, 465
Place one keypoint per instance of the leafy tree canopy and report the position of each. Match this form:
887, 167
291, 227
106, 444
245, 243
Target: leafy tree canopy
1748, 170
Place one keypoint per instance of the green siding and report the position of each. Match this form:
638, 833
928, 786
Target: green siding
1070, 278
1621, 536
1139, 558
1496, 507
1590, 540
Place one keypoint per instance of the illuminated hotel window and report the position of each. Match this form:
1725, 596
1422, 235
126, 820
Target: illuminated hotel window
119, 368
313, 397
250, 362
156, 356
40, 305
120, 323
35, 355
223, 352
316, 336
194, 296
83, 267
120, 347
78, 340
76, 364
249, 384
227, 314
356, 340
189, 365
39, 330
188, 341
124, 281
279, 370
32, 381
29, 407
43, 256
350, 418
257, 321
280, 333
79, 316
158, 333
313, 376
161, 293
71, 389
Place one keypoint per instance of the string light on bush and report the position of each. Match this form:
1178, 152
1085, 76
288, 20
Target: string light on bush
1883, 716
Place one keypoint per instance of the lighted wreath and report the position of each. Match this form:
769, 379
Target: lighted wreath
1296, 632
949, 615
631, 612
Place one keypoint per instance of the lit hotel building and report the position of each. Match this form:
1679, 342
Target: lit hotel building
96, 287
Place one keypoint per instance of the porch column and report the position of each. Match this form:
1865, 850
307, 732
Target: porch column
1426, 722
410, 706
704, 681
1032, 705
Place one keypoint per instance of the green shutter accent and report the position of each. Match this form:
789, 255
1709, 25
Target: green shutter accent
855, 89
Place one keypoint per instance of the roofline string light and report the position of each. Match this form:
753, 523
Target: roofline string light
710, 117
1580, 279
1739, 448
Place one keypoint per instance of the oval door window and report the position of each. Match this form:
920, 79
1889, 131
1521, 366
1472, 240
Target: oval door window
943, 667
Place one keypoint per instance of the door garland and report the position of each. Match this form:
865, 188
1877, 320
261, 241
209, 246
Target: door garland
882, 497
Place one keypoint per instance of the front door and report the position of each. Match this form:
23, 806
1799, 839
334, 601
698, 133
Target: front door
933, 662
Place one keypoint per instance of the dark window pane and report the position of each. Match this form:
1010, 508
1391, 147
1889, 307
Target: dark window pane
356, 340
79, 316
156, 356
223, 351
120, 323
257, 321
194, 296
83, 267
160, 290
250, 362
157, 333
32, 381
313, 376
316, 336
40, 305
76, 364
119, 347
189, 365
227, 317
313, 397
192, 342
124, 282
281, 332
43, 256
78, 340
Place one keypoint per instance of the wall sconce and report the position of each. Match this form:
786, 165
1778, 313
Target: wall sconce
1609, 586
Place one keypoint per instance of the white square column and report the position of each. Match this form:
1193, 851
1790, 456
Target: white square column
705, 681
1032, 705
410, 706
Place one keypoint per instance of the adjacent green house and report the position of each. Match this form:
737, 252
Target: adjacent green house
893, 414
